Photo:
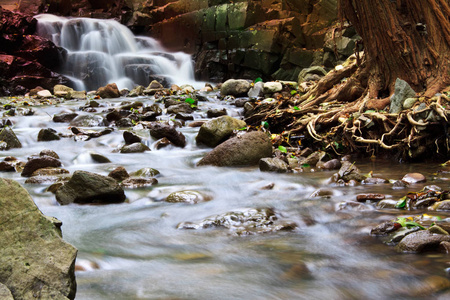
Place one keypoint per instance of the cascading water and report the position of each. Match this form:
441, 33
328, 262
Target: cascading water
105, 51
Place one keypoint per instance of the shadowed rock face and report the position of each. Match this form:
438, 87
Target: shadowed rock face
26, 60
35, 263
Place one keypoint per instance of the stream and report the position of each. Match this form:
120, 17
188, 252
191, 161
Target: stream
134, 250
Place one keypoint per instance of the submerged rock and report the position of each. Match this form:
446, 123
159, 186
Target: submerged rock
133, 182
244, 222
134, 148
86, 187
191, 197
35, 262
215, 131
246, 149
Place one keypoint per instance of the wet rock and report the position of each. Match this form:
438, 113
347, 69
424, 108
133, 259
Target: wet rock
421, 241
64, 117
145, 173
50, 172
402, 91
235, 87
119, 174
272, 87
424, 203
196, 123
109, 91
134, 182
246, 149
46, 135
7, 166
10, 139
322, 193
87, 121
180, 108
215, 131
34, 258
86, 187
36, 163
387, 204
257, 90
441, 206
385, 228
214, 113
161, 130
374, 180
353, 206
269, 164
333, 164
134, 148
48, 152
131, 138
437, 229
245, 222
399, 184
184, 117
370, 197
191, 197
313, 158
401, 233
137, 91
98, 158
162, 143
414, 178
124, 122
153, 87
349, 171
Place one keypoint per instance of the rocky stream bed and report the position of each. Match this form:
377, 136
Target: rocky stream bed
169, 193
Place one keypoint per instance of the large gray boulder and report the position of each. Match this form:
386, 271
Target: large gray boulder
402, 92
86, 187
215, 131
243, 150
235, 87
35, 263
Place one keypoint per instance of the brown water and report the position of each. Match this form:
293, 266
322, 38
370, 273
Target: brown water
141, 254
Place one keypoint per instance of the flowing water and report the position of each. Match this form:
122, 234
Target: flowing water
135, 251
104, 51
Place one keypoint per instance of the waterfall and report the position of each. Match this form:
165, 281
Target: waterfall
104, 51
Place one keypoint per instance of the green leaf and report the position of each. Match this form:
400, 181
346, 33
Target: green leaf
265, 124
189, 100
413, 224
296, 108
282, 149
401, 203
293, 92
259, 79
369, 111
306, 166
242, 129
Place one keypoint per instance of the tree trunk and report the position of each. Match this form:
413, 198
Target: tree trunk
407, 39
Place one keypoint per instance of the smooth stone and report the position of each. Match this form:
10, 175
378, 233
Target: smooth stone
414, 178
64, 117
370, 197
50, 172
214, 113
440, 206
257, 90
387, 204
385, 228
313, 158
38, 163
421, 241
402, 91
191, 197
131, 138
215, 131
145, 173
134, 148
349, 171
8, 136
98, 158
437, 229
86, 187
109, 91
374, 180
333, 164
269, 164
272, 87
44, 94
180, 108
409, 103
48, 134
235, 87
48, 152
243, 150
119, 174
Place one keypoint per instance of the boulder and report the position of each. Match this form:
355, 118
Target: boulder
36, 163
8, 136
215, 131
86, 187
243, 150
64, 117
109, 91
269, 164
131, 138
35, 263
235, 87
47, 134
5, 293
134, 148
257, 90
421, 241
161, 130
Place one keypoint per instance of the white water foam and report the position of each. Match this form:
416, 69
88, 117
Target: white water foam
105, 51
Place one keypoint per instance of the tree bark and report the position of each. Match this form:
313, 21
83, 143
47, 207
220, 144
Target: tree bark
407, 39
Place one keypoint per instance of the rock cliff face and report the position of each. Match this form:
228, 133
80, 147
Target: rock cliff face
239, 38
26, 60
